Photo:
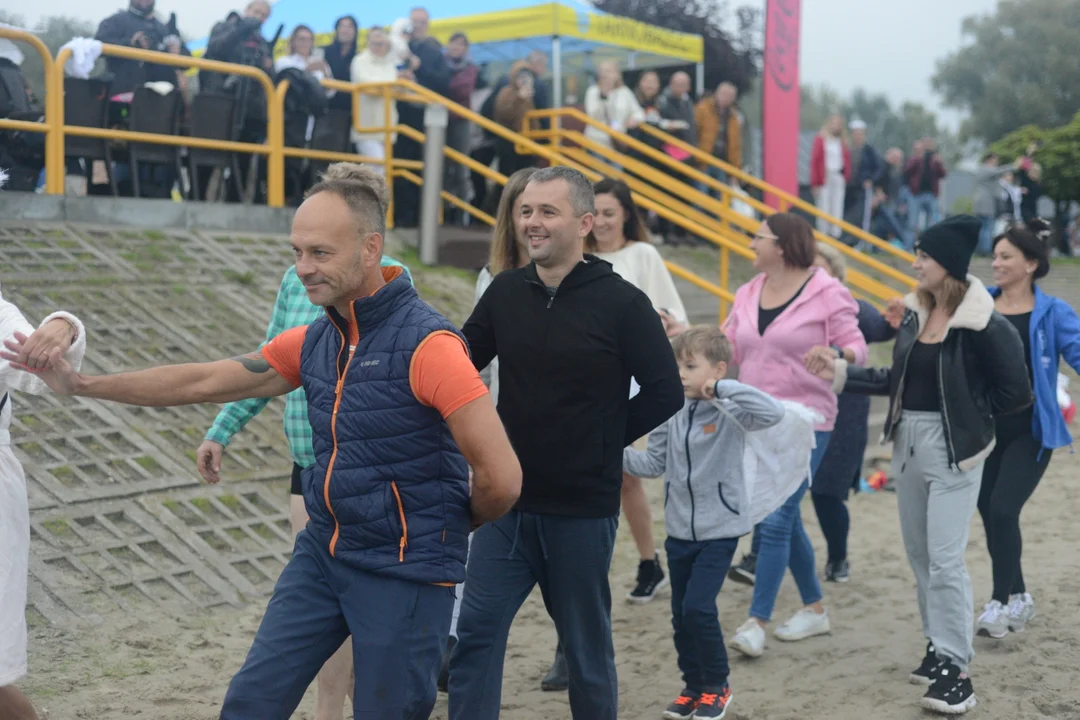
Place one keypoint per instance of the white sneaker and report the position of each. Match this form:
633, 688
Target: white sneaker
1021, 611
750, 639
994, 621
803, 624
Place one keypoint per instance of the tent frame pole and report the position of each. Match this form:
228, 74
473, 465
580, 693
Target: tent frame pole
557, 77
700, 80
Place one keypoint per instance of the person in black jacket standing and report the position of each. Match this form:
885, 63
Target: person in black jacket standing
957, 364
569, 334
138, 28
426, 67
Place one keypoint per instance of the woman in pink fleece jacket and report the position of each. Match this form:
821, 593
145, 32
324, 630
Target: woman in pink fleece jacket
777, 318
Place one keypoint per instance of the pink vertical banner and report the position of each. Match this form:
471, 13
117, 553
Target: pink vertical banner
780, 98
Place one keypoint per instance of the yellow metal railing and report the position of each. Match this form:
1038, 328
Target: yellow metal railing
691, 202
787, 200
276, 152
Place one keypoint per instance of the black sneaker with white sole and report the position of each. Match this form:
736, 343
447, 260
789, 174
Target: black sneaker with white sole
745, 570
838, 571
650, 580
926, 673
951, 693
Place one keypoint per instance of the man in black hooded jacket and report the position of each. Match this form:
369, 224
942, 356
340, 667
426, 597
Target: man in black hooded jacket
569, 334
137, 27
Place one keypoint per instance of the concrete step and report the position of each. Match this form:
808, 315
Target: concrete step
466, 248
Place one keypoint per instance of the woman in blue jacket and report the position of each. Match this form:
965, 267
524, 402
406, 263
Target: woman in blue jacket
1050, 330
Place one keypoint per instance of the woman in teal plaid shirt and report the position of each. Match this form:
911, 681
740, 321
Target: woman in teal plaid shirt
291, 309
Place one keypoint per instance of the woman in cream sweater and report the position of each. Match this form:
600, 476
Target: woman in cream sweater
377, 64
611, 103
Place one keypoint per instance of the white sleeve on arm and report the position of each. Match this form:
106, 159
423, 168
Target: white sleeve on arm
11, 322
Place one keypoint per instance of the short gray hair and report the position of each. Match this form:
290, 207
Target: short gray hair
582, 197
362, 188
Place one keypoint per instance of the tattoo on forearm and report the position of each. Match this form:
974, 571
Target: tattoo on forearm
253, 362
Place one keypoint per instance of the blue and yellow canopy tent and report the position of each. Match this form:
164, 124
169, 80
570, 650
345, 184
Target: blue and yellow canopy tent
574, 34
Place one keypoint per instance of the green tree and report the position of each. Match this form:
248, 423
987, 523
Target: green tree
1019, 68
54, 32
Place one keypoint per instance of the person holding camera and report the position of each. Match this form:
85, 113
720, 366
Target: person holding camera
138, 28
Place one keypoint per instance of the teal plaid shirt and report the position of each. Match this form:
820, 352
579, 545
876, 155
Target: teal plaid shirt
291, 309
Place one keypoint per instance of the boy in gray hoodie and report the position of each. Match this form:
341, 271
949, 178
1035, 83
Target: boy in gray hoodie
699, 451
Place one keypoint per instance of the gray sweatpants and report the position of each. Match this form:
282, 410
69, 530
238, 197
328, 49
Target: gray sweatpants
936, 504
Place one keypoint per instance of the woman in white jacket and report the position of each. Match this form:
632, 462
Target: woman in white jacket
59, 331
611, 103
377, 64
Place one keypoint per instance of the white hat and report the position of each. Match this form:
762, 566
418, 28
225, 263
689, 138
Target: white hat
856, 125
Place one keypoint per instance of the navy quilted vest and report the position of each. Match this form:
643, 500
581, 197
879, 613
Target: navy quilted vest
389, 490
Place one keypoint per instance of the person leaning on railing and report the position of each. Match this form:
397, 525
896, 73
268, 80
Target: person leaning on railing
138, 28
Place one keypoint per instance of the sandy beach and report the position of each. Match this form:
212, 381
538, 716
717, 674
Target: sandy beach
177, 666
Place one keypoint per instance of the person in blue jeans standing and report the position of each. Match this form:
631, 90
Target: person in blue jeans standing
924, 172
706, 508
569, 334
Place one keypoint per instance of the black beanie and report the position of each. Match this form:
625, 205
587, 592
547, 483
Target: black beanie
952, 242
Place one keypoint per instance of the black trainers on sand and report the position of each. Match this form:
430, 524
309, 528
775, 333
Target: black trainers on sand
713, 705
951, 693
558, 677
684, 706
838, 571
744, 571
927, 672
650, 579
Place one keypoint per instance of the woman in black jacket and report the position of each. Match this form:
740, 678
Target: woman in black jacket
957, 364
842, 464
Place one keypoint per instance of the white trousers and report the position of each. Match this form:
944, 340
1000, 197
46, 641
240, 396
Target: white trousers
14, 561
830, 200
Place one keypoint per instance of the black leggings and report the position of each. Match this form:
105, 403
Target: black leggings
835, 524
1010, 476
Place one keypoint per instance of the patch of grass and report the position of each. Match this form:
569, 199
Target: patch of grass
229, 501
148, 463
154, 235
171, 506
62, 472
244, 278
178, 289
59, 528
201, 503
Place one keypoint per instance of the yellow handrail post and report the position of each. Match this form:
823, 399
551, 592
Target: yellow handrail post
56, 178
725, 258
388, 152
275, 138
725, 278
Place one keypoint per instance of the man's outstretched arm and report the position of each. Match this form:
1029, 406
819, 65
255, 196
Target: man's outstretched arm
245, 376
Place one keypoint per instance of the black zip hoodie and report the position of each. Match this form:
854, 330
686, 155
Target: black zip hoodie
566, 357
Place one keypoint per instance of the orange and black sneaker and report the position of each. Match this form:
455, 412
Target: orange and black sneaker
713, 705
684, 706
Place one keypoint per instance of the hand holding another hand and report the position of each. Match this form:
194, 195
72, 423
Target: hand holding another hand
821, 361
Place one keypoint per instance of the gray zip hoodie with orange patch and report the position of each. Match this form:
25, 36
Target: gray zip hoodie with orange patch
700, 452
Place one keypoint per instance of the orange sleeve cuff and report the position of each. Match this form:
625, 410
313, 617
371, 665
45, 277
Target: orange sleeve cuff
441, 374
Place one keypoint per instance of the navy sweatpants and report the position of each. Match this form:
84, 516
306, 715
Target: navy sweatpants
399, 631
697, 572
569, 558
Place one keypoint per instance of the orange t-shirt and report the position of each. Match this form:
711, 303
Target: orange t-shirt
441, 374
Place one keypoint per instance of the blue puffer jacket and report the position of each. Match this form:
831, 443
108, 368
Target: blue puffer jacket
389, 490
1055, 334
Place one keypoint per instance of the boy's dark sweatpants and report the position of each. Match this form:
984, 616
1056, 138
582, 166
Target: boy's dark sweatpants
697, 573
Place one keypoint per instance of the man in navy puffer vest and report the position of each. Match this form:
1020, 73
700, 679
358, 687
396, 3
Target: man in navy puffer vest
398, 415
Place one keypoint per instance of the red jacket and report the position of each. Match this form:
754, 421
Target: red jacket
817, 162
914, 169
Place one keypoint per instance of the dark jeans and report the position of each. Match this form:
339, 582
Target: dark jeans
832, 514
1011, 474
569, 558
399, 631
697, 572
